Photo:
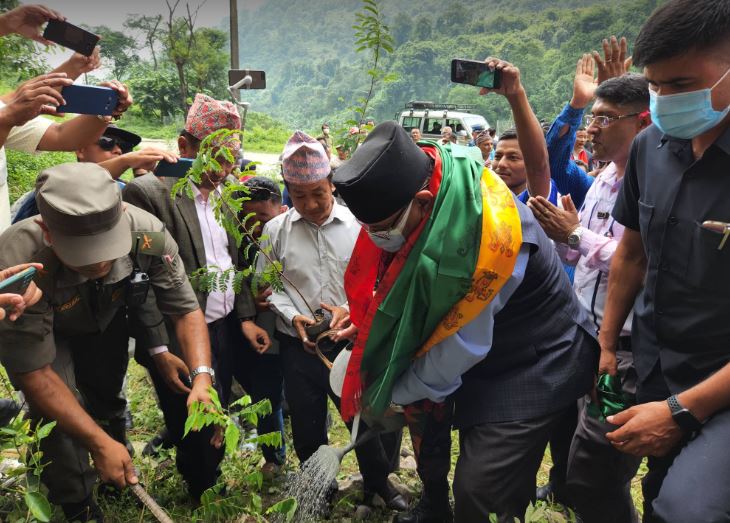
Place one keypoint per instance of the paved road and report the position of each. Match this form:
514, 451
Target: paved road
268, 160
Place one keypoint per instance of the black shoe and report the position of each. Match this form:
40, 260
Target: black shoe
393, 499
160, 441
427, 511
8, 410
83, 511
550, 491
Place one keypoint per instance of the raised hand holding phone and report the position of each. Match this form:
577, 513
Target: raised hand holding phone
37, 96
510, 84
26, 20
17, 290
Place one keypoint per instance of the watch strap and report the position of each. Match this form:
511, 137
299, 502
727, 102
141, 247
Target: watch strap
682, 416
202, 369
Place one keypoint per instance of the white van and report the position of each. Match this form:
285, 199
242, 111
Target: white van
430, 118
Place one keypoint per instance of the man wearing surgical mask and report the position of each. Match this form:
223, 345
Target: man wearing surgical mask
447, 314
673, 260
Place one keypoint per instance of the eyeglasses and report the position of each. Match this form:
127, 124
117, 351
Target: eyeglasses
109, 142
605, 121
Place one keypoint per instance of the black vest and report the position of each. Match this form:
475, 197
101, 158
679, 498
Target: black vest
543, 355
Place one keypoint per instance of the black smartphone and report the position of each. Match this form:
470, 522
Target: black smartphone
473, 72
258, 78
174, 170
88, 99
71, 36
18, 283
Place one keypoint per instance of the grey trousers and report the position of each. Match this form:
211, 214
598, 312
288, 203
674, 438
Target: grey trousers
93, 367
497, 465
599, 477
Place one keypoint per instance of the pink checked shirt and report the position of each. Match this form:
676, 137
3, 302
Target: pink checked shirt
599, 239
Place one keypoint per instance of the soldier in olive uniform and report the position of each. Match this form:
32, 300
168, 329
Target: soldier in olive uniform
100, 257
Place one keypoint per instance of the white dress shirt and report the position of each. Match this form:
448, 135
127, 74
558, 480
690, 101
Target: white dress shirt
215, 240
313, 257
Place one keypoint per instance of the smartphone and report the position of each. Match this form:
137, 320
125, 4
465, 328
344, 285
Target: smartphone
473, 72
71, 36
174, 170
88, 99
18, 283
258, 78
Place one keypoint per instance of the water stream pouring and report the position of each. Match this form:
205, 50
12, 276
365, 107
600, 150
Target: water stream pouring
310, 486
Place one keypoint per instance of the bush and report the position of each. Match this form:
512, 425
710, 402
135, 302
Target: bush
23, 168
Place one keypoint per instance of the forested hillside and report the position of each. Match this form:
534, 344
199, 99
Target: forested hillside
313, 73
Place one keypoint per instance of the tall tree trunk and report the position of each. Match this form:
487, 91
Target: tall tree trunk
183, 86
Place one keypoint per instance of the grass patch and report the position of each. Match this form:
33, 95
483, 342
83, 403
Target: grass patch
163, 482
23, 169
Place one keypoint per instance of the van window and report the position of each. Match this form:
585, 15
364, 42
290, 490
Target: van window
433, 125
411, 122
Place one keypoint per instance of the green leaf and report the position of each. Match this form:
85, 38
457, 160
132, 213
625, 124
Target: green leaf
38, 506
231, 437
286, 507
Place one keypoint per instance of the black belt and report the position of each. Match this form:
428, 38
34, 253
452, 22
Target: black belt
218, 323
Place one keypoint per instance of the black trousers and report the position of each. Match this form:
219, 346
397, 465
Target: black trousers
196, 459
306, 382
497, 465
599, 475
692, 483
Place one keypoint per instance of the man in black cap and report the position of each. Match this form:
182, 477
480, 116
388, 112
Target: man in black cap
100, 257
482, 315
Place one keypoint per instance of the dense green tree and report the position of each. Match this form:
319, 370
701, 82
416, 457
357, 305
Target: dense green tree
118, 50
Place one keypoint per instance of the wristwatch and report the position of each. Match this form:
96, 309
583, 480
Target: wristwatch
202, 370
574, 237
682, 416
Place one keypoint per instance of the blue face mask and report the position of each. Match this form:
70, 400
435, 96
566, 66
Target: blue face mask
686, 115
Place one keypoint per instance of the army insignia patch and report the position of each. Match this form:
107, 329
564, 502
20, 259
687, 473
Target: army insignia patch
151, 243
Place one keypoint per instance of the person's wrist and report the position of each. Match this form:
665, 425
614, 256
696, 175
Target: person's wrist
99, 441
517, 96
578, 103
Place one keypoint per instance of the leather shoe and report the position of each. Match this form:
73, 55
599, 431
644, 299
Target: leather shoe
427, 511
393, 499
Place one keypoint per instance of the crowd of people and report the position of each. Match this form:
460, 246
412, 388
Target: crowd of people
566, 290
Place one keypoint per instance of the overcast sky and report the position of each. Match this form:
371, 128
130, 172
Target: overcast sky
113, 14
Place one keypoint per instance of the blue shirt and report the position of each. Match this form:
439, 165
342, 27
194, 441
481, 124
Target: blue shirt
569, 178
552, 197
437, 373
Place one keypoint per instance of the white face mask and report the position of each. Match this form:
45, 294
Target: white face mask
393, 239
325, 131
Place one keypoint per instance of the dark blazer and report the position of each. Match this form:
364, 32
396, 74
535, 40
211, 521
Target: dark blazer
180, 217
543, 357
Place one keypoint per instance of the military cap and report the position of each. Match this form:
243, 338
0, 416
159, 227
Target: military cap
81, 205
383, 174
